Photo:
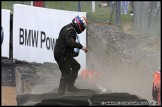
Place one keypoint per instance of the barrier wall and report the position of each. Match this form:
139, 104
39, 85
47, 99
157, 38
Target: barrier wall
5, 32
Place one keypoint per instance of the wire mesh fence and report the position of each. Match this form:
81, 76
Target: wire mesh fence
145, 15
99, 11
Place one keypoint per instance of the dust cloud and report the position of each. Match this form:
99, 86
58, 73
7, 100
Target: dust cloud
126, 62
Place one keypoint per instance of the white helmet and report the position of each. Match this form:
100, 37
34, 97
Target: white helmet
79, 23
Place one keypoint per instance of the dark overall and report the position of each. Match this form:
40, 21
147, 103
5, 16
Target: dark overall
63, 54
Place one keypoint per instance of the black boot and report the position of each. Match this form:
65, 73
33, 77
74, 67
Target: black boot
62, 87
72, 89
61, 92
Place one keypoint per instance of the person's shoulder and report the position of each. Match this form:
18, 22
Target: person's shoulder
67, 27
157, 73
70, 28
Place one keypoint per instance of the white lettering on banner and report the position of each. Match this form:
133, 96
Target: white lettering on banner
31, 38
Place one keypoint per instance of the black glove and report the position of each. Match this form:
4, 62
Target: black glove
75, 54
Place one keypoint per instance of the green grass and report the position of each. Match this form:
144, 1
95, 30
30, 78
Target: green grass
63, 5
100, 14
8, 5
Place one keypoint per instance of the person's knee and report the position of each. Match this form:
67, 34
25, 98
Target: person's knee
75, 71
77, 67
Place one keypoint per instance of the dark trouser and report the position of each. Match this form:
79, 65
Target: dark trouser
69, 71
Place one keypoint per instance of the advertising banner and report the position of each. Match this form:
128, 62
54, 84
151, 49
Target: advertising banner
35, 30
5, 32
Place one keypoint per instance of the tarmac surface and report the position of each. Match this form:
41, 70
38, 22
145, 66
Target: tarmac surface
8, 73
36, 82
37, 85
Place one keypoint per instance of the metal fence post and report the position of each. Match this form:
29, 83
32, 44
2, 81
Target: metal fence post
79, 6
93, 6
118, 19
